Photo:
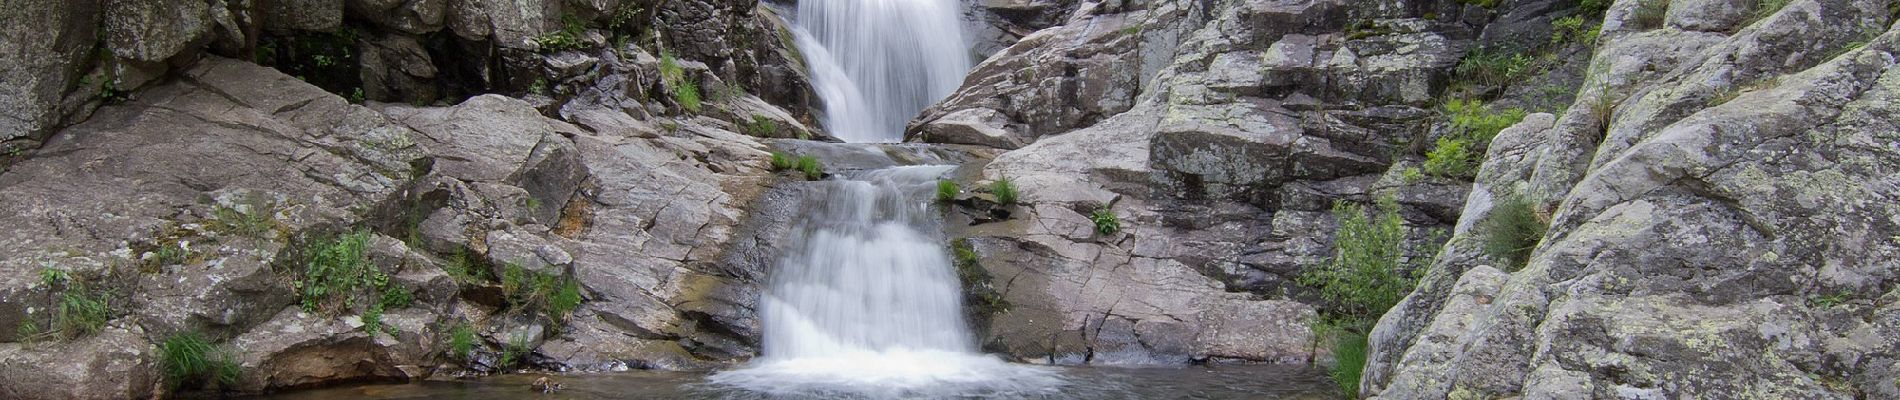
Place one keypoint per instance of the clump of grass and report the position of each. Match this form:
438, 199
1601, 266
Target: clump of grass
463, 269
1106, 222
1650, 14
761, 127
1349, 356
1452, 158
1831, 300
516, 351
980, 297
1486, 68
782, 161
1412, 175
82, 311
554, 294
685, 91
1004, 190
188, 359
947, 190
1512, 231
811, 167
257, 220
461, 341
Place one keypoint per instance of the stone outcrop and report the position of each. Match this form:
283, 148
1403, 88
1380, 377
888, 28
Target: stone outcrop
1726, 232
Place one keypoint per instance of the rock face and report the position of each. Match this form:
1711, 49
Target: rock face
1219, 134
1727, 233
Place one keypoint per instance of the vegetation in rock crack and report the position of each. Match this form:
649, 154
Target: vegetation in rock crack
981, 298
947, 190
783, 162
761, 127
463, 268
1105, 221
1485, 68
568, 38
1573, 29
1765, 9
256, 219
1733, 92
1412, 175
335, 270
1473, 126
556, 295
684, 90
77, 308
686, 93
1594, 7
1650, 14
1481, 3
515, 351
1512, 230
1362, 280
461, 341
1004, 190
188, 359
811, 167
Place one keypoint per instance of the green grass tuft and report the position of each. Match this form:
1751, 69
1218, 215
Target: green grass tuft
1349, 356
188, 359
1512, 231
947, 190
1005, 190
82, 312
811, 167
762, 127
783, 162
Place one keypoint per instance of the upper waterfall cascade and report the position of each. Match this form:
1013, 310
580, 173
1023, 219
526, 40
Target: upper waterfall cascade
877, 63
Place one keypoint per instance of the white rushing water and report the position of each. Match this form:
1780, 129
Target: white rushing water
877, 63
865, 304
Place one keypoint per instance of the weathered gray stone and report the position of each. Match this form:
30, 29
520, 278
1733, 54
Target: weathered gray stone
305, 15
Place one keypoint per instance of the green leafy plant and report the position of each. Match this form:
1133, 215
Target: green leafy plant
1487, 68
1412, 175
761, 126
1594, 7
947, 190
1472, 120
1364, 277
1105, 221
1512, 231
1004, 190
811, 167
188, 359
1831, 300
336, 269
1452, 158
568, 38
564, 299
1573, 29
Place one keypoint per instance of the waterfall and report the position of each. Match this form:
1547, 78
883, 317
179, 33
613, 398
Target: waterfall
865, 304
877, 63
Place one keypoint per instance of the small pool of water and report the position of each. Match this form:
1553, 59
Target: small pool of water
1195, 382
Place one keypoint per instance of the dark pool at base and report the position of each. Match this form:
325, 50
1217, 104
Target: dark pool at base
1194, 382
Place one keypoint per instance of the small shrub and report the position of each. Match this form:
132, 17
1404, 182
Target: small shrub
810, 166
564, 300
1512, 231
461, 341
1005, 190
762, 127
947, 190
1452, 158
373, 320
1105, 221
782, 161
397, 297
1364, 277
1650, 14
568, 38
1594, 7
188, 359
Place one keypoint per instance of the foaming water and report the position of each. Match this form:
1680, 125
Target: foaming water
877, 63
866, 305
